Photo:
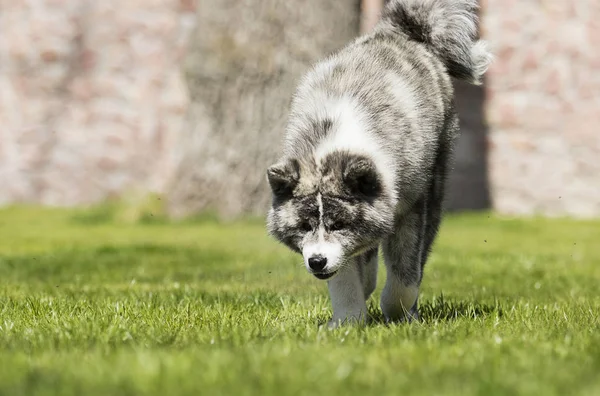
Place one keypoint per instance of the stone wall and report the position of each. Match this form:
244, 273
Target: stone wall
91, 97
543, 106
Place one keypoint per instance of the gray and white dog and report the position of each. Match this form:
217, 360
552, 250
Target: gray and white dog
367, 149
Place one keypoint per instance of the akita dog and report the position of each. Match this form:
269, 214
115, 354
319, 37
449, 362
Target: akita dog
366, 153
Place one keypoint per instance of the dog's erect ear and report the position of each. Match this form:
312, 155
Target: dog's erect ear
283, 177
361, 177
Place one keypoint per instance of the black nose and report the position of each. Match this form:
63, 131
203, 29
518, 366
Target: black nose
317, 263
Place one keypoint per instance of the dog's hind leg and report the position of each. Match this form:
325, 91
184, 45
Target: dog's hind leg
403, 252
407, 249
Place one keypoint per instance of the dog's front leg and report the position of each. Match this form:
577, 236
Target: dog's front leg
347, 296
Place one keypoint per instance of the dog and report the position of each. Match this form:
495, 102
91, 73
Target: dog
366, 151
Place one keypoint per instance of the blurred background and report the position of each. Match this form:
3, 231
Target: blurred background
186, 101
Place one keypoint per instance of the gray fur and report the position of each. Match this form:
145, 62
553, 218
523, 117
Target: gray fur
367, 149
367, 265
448, 28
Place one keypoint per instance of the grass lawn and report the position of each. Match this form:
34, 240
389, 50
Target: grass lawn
94, 306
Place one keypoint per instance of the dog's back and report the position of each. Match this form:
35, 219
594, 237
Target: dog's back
391, 90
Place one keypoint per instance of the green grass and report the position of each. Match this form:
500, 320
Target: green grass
90, 305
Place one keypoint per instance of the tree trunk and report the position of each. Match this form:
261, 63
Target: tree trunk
243, 64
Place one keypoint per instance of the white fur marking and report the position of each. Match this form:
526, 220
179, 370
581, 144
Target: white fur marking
331, 251
351, 132
320, 203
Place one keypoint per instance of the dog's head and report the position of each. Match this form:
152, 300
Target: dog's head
329, 211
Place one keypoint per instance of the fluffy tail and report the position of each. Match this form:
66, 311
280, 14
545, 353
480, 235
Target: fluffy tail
448, 28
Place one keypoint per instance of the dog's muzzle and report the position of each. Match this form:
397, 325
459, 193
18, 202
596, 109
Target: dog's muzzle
324, 276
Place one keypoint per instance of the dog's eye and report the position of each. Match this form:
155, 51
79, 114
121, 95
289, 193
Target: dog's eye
305, 226
336, 226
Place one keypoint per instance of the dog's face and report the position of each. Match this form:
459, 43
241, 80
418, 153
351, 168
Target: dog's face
328, 212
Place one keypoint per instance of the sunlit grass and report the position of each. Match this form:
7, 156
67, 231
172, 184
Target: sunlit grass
91, 303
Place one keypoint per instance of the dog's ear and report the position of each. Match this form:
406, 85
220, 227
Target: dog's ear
283, 177
360, 176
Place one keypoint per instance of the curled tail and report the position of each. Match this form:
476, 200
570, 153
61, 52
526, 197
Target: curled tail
448, 28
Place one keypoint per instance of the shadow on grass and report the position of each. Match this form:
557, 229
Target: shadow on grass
440, 309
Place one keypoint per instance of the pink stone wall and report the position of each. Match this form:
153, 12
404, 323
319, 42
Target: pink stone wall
543, 106
91, 97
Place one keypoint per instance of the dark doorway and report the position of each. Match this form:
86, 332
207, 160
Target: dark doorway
468, 186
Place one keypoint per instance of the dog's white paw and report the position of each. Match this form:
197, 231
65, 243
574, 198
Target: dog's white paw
399, 302
352, 320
